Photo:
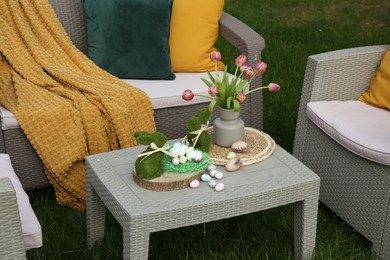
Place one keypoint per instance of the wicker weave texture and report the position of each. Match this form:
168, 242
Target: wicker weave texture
356, 189
279, 180
28, 167
11, 241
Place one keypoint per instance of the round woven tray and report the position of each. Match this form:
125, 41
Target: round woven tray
261, 146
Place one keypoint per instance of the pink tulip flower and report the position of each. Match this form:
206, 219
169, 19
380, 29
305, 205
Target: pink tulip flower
213, 91
273, 87
241, 97
240, 60
261, 67
215, 56
248, 73
187, 95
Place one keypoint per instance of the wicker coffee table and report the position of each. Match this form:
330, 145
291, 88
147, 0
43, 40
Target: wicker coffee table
279, 180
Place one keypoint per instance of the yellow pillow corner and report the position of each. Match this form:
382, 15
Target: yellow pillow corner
194, 30
378, 94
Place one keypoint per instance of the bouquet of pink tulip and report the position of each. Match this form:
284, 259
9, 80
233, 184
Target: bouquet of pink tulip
230, 93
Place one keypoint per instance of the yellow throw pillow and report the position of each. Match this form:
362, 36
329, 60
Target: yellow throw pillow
193, 32
379, 92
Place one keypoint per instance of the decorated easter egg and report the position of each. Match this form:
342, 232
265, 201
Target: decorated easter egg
233, 164
195, 156
240, 147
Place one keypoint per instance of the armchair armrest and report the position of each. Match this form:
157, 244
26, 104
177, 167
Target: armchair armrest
11, 241
337, 75
341, 75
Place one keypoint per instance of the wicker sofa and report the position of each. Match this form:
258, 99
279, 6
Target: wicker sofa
25, 160
356, 188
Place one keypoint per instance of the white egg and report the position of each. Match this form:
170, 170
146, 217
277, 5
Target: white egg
219, 187
205, 177
194, 184
175, 161
218, 175
212, 183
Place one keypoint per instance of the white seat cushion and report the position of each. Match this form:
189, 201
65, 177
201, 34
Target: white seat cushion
360, 128
31, 229
162, 93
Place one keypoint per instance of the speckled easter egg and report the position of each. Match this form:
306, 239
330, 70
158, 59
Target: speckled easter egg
218, 175
205, 177
219, 187
194, 184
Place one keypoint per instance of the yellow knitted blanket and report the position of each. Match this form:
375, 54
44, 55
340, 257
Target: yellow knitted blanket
67, 106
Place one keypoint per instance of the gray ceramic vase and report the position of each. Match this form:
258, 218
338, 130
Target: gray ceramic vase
228, 128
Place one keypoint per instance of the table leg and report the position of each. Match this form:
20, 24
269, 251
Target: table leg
305, 227
135, 243
96, 212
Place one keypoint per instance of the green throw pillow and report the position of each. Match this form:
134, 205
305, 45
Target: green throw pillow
130, 38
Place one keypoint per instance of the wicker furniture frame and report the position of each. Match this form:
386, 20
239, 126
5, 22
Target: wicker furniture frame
279, 180
27, 163
11, 238
356, 189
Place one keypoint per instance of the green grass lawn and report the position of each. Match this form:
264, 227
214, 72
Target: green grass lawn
293, 30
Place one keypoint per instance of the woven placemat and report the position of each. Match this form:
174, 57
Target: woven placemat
261, 146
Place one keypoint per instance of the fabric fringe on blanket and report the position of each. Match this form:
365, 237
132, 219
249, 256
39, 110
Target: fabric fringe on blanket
67, 106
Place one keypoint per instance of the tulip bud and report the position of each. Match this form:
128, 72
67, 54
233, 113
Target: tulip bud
240, 60
241, 97
213, 91
248, 73
187, 95
215, 56
261, 67
273, 87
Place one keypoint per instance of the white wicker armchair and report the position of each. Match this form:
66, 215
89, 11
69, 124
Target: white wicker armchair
356, 189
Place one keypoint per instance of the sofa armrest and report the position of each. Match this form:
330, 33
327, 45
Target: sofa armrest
250, 43
242, 37
11, 241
